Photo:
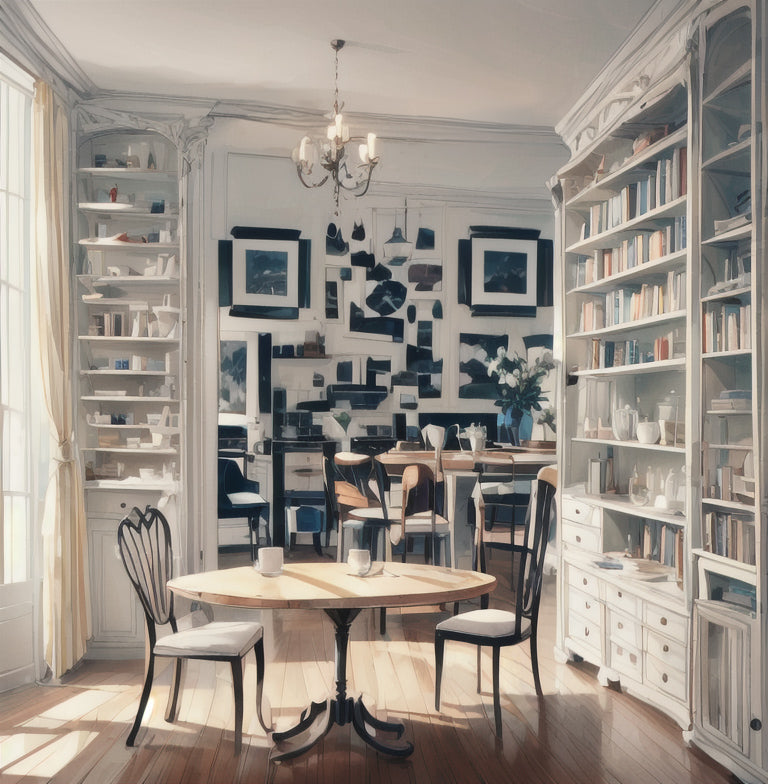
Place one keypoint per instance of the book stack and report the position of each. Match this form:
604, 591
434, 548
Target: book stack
727, 326
730, 535
732, 400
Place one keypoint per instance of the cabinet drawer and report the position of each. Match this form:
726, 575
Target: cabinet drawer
583, 581
579, 512
668, 623
625, 629
665, 678
587, 607
581, 536
626, 660
584, 630
669, 653
626, 602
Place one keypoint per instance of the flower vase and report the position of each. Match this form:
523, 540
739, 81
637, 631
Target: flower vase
508, 425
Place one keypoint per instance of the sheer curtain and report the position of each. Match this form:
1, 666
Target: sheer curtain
66, 597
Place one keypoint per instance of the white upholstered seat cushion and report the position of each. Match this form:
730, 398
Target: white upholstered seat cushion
420, 523
219, 638
245, 499
485, 623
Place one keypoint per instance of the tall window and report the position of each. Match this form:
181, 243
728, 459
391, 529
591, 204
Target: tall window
16, 485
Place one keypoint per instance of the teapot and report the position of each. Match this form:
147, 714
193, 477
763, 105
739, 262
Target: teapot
624, 423
474, 436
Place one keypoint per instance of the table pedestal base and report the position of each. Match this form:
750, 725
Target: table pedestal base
317, 720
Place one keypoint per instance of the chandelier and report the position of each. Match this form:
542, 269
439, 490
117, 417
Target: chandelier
348, 169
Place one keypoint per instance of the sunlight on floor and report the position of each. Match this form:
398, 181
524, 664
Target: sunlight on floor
53, 757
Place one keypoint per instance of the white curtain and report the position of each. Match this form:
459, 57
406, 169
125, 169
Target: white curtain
66, 596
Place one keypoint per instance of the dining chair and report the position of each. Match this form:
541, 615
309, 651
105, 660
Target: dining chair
419, 517
239, 497
506, 495
339, 493
144, 540
500, 628
359, 510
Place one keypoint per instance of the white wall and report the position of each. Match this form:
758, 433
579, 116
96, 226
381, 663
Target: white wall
251, 181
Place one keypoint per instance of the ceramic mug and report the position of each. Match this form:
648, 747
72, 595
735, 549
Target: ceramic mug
270, 560
359, 561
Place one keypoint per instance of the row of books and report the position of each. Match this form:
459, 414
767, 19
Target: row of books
727, 326
639, 249
667, 182
631, 303
619, 353
730, 535
662, 543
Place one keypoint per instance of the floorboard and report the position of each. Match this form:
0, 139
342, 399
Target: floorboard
579, 733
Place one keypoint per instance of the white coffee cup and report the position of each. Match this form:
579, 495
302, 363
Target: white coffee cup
359, 561
270, 560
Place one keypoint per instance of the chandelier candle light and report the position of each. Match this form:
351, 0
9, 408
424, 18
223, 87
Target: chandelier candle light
332, 152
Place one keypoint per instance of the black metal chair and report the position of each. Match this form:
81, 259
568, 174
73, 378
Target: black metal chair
500, 628
144, 539
239, 497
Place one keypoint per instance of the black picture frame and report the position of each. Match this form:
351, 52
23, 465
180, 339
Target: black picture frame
517, 251
264, 273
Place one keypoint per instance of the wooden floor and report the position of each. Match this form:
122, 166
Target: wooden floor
579, 733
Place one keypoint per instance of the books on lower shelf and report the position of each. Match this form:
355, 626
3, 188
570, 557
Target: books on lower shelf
730, 535
727, 326
620, 353
632, 252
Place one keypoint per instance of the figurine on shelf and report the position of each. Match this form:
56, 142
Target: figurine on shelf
113, 194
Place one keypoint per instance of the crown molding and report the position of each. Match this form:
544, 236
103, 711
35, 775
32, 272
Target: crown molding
655, 54
27, 39
388, 126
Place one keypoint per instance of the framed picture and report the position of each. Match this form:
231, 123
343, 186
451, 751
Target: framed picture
265, 273
233, 374
504, 271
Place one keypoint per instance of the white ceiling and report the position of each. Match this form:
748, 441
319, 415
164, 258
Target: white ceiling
498, 61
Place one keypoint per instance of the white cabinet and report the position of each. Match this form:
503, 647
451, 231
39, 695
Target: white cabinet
130, 313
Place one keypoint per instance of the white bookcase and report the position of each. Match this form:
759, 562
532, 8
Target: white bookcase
130, 343
662, 533
729, 618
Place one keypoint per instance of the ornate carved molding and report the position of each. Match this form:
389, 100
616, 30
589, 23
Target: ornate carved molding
652, 58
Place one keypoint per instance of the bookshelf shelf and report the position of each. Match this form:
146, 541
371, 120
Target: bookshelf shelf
654, 218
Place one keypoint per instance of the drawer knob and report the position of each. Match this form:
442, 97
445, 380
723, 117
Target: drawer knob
587, 606
584, 580
663, 621
755, 724
619, 594
665, 649
578, 511
633, 658
586, 632
620, 625
578, 539
664, 677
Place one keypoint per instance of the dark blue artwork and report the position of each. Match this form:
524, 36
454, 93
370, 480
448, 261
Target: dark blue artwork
232, 376
266, 272
387, 297
474, 352
505, 272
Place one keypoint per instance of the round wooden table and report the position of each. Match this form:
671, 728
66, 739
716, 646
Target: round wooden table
341, 595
